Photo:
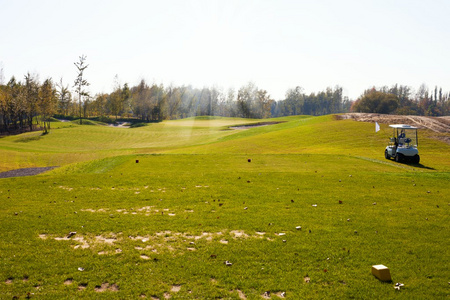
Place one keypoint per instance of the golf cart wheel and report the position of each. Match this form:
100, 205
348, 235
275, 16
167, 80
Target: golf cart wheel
399, 158
416, 159
386, 154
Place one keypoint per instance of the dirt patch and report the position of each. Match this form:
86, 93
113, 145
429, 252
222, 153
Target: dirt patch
85, 242
102, 239
66, 188
238, 234
241, 295
25, 172
439, 125
175, 288
106, 287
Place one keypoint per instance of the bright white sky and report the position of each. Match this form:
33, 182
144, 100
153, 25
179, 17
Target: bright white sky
277, 44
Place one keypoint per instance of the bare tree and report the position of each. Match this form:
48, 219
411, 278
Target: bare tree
80, 83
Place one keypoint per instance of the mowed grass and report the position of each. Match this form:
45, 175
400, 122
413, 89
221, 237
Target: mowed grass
69, 142
162, 225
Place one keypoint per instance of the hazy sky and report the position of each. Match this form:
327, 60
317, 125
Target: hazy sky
276, 44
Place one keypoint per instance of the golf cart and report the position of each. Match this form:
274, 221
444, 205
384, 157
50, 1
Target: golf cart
403, 144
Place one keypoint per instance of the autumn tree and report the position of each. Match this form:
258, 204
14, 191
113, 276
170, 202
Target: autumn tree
31, 95
374, 101
120, 99
126, 99
245, 98
174, 97
98, 106
115, 103
47, 103
139, 100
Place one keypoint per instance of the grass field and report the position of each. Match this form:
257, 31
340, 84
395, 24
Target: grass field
158, 210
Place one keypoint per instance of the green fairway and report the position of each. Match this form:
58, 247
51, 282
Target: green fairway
300, 209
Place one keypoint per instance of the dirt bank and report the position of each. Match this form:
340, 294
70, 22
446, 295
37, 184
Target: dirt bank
440, 125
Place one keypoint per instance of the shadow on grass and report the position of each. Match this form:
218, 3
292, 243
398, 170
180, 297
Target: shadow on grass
419, 166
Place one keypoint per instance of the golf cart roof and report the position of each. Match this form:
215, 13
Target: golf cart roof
402, 126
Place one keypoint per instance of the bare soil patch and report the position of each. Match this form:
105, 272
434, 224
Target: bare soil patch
175, 288
439, 125
241, 295
106, 287
436, 124
25, 172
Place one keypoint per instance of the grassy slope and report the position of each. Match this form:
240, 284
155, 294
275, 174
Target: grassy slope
324, 135
306, 161
69, 142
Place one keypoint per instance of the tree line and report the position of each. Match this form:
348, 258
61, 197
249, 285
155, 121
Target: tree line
402, 100
156, 102
28, 104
